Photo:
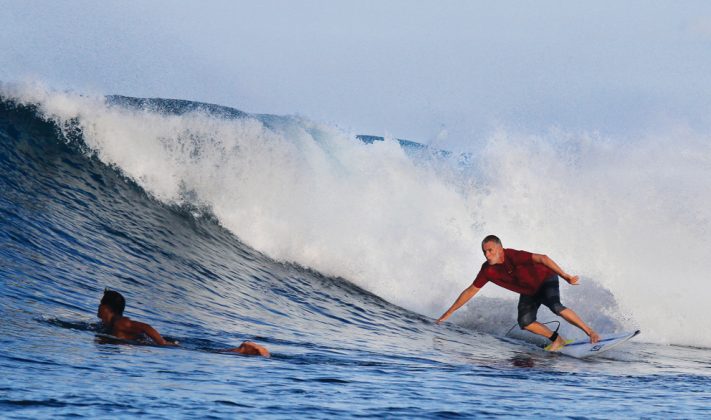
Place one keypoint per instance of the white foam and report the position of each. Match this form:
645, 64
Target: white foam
632, 217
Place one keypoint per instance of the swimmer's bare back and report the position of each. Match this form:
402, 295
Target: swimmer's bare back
127, 329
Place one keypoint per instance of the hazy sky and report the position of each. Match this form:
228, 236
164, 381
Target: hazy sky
412, 69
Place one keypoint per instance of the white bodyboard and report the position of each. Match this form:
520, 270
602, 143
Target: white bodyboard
582, 349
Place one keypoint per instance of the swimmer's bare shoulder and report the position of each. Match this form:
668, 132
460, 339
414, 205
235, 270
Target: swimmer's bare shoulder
127, 329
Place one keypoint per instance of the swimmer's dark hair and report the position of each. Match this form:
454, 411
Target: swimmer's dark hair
491, 238
114, 301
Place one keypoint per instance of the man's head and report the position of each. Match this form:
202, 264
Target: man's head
493, 250
112, 304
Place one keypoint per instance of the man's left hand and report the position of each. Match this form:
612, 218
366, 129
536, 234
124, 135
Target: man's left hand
573, 280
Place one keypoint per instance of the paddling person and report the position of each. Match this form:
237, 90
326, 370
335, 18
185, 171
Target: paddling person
111, 314
535, 278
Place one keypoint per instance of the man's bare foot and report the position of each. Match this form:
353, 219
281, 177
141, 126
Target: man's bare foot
251, 349
557, 344
594, 338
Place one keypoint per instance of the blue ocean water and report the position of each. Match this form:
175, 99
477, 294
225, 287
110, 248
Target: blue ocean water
71, 224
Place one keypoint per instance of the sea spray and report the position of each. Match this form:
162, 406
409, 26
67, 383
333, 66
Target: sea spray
298, 191
631, 215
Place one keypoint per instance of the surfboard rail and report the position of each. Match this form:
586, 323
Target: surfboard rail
582, 349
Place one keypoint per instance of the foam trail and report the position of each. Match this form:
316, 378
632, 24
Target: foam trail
409, 231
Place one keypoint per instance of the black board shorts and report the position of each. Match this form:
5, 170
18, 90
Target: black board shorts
548, 294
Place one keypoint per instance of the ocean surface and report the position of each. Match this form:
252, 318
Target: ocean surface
336, 254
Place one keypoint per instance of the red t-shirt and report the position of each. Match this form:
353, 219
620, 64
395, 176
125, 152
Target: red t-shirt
517, 273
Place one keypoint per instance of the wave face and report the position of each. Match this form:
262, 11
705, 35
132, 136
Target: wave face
220, 226
73, 225
632, 218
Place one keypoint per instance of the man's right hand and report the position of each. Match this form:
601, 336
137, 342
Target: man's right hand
463, 298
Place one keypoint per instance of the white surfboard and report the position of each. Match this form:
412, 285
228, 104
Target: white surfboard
582, 349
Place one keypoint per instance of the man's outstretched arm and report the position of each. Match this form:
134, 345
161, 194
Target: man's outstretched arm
136, 327
463, 298
548, 262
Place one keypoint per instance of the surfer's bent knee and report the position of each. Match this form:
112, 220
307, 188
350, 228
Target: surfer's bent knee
526, 319
527, 310
557, 308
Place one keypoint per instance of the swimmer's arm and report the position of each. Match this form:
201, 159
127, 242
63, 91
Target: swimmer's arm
139, 327
463, 298
548, 262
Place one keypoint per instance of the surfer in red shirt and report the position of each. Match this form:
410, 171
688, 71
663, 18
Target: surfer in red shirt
535, 278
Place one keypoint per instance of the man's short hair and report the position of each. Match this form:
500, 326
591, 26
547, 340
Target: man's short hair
114, 301
491, 238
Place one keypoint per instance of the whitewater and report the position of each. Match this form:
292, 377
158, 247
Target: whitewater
221, 225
